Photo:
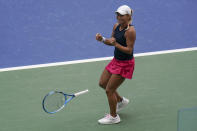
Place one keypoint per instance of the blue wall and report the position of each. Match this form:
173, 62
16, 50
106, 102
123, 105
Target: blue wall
45, 31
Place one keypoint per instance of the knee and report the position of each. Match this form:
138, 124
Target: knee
109, 92
102, 84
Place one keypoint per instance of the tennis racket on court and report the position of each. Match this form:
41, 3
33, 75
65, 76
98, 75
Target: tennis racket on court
54, 101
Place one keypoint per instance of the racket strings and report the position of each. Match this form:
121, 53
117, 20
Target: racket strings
54, 102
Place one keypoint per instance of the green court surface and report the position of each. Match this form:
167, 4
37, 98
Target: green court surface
162, 85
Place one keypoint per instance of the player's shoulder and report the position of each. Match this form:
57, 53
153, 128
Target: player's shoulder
115, 26
131, 29
131, 33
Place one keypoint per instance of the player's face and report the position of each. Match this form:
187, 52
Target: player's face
122, 19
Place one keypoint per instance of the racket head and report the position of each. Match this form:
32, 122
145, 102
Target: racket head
55, 101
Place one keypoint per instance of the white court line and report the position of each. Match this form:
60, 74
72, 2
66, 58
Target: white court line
94, 59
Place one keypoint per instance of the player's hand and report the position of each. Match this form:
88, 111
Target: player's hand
99, 37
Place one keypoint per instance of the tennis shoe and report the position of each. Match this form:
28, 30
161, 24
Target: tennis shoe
108, 119
122, 104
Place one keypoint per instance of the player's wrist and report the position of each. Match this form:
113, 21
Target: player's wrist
103, 39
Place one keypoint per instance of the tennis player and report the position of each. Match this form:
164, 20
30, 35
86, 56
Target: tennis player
122, 65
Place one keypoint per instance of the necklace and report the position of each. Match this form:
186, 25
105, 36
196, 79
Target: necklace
120, 29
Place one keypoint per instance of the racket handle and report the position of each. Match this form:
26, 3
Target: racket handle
81, 92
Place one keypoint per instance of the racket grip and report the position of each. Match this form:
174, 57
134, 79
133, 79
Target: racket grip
81, 92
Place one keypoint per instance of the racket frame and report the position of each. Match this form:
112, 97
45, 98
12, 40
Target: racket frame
66, 100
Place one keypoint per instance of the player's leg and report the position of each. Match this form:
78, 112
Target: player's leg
104, 80
105, 76
114, 82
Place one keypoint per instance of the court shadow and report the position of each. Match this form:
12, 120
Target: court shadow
127, 118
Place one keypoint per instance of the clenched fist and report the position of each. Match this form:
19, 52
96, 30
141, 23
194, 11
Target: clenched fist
99, 37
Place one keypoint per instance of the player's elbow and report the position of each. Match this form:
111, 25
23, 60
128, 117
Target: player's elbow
130, 51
